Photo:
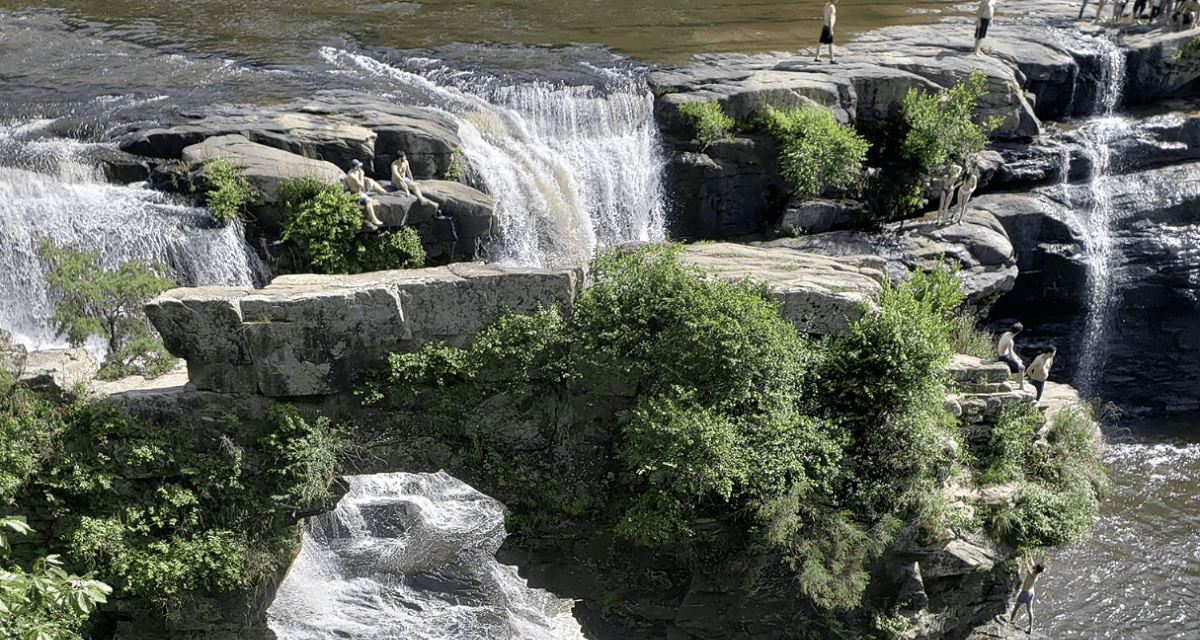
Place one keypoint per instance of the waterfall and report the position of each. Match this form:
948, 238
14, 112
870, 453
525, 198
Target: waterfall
573, 166
412, 556
49, 189
1093, 205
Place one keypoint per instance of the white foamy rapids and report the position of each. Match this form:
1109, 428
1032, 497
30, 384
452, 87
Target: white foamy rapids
573, 168
59, 196
412, 556
1138, 576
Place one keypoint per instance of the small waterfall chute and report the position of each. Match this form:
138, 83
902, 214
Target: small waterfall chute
412, 556
574, 167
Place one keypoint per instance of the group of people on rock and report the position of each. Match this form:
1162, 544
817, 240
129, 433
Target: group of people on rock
364, 186
1181, 14
951, 179
983, 18
1038, 371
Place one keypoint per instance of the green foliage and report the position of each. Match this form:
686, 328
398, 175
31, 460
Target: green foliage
885, 383
719, 409
1010, 444
455, 172
966, 338
44, 603
108, 303
941, 131
161, 512
1061, 486
322, 223
228, 193
708, 120
891, 625
1188, 53
815, 150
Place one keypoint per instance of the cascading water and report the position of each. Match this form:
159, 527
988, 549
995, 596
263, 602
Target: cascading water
573, 166
1092, 203
48, 189
412, 556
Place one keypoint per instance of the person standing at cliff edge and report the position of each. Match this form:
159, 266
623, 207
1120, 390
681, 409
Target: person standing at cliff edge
1039, 370
827, 30
1006, 352
987, 9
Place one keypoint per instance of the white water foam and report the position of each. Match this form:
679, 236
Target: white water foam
48, 190
412, 556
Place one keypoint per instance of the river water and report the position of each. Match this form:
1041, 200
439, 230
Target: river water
86, 68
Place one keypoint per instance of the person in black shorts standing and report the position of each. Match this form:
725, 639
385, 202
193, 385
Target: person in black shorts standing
827, 30
987, 9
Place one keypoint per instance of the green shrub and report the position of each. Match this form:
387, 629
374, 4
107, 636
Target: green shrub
814, 149
322, 222
455, 171
45, 602
708, 120
966, 338
1010, 445
941, 131
108, 303
229, 194
719, 408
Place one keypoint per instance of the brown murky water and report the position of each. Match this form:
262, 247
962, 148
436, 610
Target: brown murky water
658, 30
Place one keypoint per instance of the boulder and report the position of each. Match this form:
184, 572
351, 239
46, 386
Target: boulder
818, 294
59, 369
307, 335
980, 245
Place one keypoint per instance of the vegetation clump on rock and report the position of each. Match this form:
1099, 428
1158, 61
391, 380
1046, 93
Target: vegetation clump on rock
321, 226
724, 410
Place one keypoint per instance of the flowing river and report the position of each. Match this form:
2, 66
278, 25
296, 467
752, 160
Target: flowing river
566, 108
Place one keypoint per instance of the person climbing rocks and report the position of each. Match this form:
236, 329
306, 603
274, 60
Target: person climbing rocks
402, 177
1006, 352
983, 18
827, 30
1025, 596
1039, 370
358, 183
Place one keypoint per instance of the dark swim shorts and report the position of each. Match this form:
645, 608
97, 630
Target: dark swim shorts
826, 35
981, 30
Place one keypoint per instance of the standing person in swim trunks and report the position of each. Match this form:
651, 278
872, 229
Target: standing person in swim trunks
987, 9
1039, 369
1025, 597
1007, 353
827, 30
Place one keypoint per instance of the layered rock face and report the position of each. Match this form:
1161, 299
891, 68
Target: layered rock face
318, 138
308, 335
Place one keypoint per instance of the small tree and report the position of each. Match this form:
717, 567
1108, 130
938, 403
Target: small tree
942, 131
108, 303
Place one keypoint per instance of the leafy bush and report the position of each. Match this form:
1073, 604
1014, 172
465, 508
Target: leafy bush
228, 194
108, 303
1010, 445
815, 150
44, 603
322, 222
719, 409
456, 171
708, 120
160, 512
